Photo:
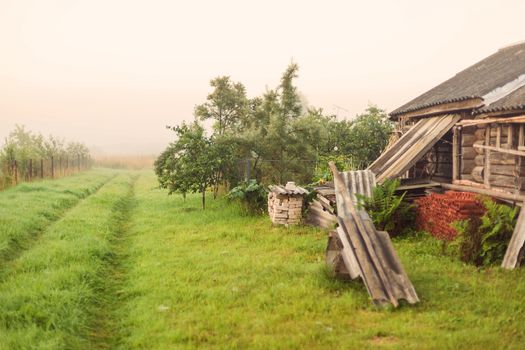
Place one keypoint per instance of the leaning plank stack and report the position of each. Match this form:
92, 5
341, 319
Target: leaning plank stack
285, 204
369, 253
321, 213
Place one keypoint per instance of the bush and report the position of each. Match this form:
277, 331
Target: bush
252, 195
484, 241
388, 211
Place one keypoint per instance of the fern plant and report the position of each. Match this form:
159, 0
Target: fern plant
483, 241
388, 211
496, 226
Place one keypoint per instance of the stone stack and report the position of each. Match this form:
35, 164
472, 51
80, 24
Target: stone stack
285, 204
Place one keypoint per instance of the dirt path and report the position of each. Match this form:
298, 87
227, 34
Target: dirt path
106, 333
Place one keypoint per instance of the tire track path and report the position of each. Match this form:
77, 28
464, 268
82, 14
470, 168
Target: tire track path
17, 247
105, 329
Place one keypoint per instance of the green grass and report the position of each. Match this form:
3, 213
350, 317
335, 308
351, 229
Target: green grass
51, 296
30, 207
132, 268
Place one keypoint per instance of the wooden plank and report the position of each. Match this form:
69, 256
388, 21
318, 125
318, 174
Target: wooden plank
486, 165
501, 150
455, 153
515, 248
426, 140
479, 122
397, 147
350, 259
369, 264
521, 136
510, 136
376, 271
488, 192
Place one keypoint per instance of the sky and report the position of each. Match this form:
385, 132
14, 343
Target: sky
114, 73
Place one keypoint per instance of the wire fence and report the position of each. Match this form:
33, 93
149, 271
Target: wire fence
26, 170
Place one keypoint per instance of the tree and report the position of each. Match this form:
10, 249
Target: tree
227, 105
190, 163
369, 136
281, 141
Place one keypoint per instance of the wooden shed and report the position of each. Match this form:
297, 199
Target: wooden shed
466, 134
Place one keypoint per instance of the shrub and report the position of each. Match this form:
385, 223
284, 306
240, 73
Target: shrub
252, 195
388, 211
483, 241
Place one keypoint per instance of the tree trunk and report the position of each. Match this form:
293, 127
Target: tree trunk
203, 198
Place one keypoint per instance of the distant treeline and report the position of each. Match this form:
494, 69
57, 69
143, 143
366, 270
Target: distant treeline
26, 156
133, 162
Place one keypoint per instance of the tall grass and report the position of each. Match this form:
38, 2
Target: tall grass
27, 209
50, 297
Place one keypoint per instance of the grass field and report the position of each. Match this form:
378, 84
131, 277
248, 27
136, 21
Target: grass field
124, 266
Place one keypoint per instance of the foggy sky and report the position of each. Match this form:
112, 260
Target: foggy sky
113, 73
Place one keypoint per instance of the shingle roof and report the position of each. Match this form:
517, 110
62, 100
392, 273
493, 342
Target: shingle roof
476, 81
513, 101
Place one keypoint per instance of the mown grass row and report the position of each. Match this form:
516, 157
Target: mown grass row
52, 294
215, 279
26, 210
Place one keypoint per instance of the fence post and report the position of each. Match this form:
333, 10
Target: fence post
52, 167
41, 168
15, 171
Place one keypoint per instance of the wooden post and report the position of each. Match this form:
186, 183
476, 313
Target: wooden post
52, 167
41, 168
521, 135
456, 161
486, 165
510, 136
15, 171
498, 136
30, 169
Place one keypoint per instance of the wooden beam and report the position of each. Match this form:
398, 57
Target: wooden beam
498, 136
456, 144
488, 192
473, 122
501, 150
521, 136
486, 165
511, 258
509, 113
445, 108
510, 136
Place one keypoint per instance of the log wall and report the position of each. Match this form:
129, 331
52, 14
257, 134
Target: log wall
506, 171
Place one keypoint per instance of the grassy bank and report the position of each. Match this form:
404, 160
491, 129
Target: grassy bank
26, 210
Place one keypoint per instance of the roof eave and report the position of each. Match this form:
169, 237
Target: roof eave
446, 107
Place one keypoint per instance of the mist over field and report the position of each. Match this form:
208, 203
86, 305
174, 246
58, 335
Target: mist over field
112, 74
